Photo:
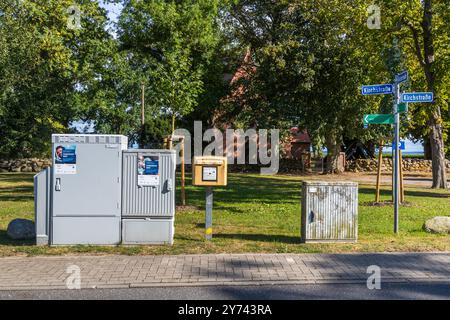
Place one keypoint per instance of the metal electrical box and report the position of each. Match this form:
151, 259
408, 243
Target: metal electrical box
148, 196
86, 189
99, 193
209, 171
42, 198
329, 211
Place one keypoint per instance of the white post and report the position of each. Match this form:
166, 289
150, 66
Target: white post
396, 155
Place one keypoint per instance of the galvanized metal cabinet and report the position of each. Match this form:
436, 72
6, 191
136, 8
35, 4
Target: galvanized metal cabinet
329, 211
148, 231
156, 200
148, 206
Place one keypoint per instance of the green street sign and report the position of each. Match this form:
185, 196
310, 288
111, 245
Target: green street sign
378, 119
402, 107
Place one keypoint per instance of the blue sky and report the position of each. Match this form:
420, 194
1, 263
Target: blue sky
114, 11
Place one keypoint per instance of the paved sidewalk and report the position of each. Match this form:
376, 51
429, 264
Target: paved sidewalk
219, 269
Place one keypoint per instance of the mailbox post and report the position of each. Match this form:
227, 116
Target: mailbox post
209, 171
208, 213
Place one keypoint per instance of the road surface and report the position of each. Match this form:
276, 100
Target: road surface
402, 291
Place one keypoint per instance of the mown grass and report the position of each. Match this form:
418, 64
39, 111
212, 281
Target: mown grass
252, 214
404, 155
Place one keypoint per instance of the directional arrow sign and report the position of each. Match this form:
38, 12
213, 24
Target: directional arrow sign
417, 97
378, 118
401, 77
377, 89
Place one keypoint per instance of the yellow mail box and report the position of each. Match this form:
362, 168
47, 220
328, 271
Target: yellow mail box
209, 171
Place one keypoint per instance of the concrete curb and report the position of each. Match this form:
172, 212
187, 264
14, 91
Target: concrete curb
225, 283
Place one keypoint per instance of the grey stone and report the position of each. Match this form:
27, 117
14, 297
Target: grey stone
21, 229
439, 224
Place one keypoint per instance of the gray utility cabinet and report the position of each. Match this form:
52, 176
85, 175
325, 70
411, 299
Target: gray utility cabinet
148, 196
329, 211
42, 200
99, 193
78, 199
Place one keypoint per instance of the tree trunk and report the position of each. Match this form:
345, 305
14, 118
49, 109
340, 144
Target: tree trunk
371, 144
438, 154
435, 120
333, 142
427, 149
173, 123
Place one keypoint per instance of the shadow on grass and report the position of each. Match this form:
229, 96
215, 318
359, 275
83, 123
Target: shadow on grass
411, 193
16, 194
17, 177
260, 237
250, 189
428, 194
19, 193
230, 209
7, 241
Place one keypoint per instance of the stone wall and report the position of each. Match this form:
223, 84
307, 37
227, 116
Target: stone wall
24, 165
409, 165
36, 165
291, 166
286, 166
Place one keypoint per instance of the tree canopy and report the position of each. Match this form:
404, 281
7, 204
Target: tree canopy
293, 63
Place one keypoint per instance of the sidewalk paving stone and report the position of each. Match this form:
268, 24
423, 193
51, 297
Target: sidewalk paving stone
18, 273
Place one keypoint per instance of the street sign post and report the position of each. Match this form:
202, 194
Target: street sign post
396, 155
411, 97
377, 89
389, 119
401, 101
378, 119
401, 77
398, 107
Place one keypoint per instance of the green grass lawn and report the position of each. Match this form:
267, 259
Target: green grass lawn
252, 214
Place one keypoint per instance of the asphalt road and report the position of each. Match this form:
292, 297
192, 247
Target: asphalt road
388, 291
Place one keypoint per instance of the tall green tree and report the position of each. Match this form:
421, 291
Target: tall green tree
423, 30
47, 62
171, 43
310, 59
